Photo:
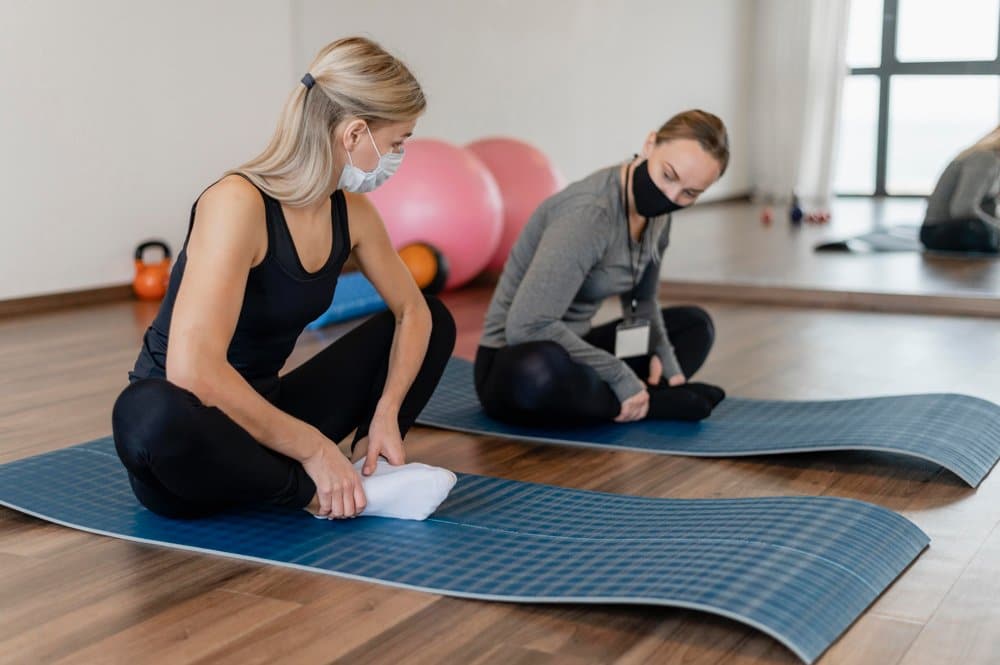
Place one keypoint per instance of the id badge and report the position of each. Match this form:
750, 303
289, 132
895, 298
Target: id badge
632, 338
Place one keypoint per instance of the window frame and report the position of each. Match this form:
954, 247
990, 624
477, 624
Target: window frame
890, 66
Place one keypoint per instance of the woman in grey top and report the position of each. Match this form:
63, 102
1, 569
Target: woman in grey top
539, 360
961, 212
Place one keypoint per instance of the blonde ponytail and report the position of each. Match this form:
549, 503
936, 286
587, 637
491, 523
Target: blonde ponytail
354, 77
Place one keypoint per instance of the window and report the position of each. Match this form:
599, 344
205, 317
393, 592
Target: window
855, 165
924, 84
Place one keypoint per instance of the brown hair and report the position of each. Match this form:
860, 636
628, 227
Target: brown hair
989, 142
701, 126
355, 77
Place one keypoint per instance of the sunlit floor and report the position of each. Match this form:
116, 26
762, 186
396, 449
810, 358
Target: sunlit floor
724, 251
72, 597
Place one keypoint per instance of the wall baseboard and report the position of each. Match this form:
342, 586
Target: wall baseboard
54, 301
674, 291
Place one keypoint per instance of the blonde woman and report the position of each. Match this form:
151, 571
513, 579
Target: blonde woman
539, 360
207, 423
962, 210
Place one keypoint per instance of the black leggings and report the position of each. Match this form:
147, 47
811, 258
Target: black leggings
967, 235
538, 383
186, 459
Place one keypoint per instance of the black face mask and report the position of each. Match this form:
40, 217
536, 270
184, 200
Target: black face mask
649, 200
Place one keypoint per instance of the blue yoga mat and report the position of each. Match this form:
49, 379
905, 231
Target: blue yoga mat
800, 569
355, 296
958, 432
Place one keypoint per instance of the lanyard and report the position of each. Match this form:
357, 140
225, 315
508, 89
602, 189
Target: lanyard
633, 264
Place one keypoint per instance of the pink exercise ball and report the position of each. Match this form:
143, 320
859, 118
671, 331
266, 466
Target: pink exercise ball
444, 196
526, 177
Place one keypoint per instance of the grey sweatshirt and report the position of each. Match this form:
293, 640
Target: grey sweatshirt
570, 257
967, 189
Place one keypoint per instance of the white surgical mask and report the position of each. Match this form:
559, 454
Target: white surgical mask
353, 179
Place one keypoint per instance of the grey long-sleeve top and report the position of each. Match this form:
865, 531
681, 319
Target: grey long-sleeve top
570, 257
967, 189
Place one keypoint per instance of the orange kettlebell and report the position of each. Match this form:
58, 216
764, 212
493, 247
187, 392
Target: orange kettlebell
151, 279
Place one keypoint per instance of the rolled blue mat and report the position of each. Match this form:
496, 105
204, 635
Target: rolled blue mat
800, 569
958, 432
355, 296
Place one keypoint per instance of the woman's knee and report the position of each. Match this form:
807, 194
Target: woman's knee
927, 235
442, 325
707, 324
537, 372
692, 318
148, 415
942, 236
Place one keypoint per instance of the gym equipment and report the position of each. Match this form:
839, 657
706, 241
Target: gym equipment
428, 266
766, 215
525, 176
445, 196
151, 279
902, 238
958, 432
800, 569
795, 212
892, 239
356, 296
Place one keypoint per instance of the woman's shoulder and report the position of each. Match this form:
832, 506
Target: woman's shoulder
357, 204
359, 209
978, 159
233, 191
232, 210
598, 184
591, 196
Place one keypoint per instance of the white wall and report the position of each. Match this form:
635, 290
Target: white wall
115, 114
584, 80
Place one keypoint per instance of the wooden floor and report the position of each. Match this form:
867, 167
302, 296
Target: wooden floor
71, 597
723, 252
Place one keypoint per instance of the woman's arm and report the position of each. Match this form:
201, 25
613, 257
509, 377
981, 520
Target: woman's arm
977, 175
228, 238
570, 247
648, 307
388, 274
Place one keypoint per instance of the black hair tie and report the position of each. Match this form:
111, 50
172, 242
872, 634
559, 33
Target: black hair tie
308, 81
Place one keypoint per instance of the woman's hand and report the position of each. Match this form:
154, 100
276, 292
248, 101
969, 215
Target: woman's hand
384, 439
634, 408
656, 373
381, 264
655, 370
338, 486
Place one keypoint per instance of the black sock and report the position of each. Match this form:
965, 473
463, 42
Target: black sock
666, 403
713, 394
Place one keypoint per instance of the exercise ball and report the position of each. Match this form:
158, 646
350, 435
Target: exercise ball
427, 265
443, 195
526, 177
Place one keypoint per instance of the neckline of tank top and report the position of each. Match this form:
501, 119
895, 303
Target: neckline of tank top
271, 203
298, 271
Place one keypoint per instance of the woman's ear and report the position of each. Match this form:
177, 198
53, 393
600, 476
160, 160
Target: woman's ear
649, 144
353, 132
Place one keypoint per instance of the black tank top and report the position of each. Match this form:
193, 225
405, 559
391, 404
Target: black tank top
281, 298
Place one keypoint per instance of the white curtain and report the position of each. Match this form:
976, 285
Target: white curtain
798, 74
